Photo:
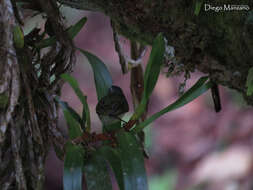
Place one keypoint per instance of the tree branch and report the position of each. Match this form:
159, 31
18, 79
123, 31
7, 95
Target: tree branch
218, 44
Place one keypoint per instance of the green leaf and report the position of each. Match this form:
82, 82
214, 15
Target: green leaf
72, 32
4, 99
167, 180
112, 156
151, 73
86, 113
73, 163
73, 126
198, 89
154, 65
60, 153
249, 82
74, 114
102, 77
18, 37
75, 29
73, 83
83, 120
96, 173
132, 161
198, 7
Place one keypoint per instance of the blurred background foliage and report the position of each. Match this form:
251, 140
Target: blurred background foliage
191, 148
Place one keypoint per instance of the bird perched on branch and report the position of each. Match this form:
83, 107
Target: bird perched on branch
113, 106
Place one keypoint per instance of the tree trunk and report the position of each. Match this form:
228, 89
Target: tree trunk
28, 112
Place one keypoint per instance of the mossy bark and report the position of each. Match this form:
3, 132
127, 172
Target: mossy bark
28, 112
216, 43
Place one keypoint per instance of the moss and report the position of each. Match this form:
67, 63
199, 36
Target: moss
134, 33
225, 36
3, 100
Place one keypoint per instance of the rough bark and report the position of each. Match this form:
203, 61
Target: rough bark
28, 112
216, 43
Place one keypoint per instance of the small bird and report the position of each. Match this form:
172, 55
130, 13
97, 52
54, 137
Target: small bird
113, 106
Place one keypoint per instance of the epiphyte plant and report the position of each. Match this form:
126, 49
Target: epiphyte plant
118, 144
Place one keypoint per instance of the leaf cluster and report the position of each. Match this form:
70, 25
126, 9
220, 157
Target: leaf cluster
120, 149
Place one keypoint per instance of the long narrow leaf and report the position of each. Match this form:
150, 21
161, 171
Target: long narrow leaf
151, 73
18, 37
249, 82
112, 156
132, 162
96, 174
86, 116
73, 163
72, 32
198, 89
83, 120
102, 77
198, 7
73, 83
154, 65
73, 126
65, 106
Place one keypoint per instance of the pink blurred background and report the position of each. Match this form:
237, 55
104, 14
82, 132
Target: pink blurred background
195, 144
